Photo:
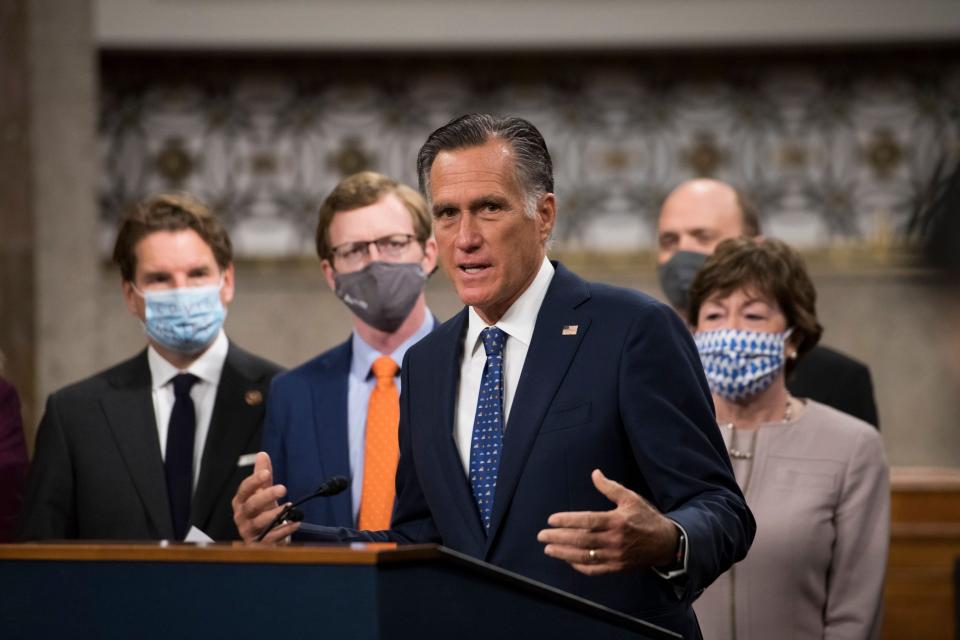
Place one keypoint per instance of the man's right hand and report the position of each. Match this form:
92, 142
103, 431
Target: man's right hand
255, 505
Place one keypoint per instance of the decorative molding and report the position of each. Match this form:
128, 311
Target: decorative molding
837, 150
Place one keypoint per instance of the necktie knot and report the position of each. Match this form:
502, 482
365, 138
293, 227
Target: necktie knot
493, 341
384, 369
182, 383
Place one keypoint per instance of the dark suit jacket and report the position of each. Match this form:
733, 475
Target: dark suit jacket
13, 460
836, 380
626, 394
97, 472
305, 433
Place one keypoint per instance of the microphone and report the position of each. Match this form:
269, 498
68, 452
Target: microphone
330, 487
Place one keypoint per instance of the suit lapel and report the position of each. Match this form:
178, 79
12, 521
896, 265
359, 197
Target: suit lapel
329, 397
128, 408
233, 424
548, 359
451, 473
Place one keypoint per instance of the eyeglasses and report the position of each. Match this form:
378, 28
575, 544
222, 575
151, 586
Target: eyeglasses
353, 254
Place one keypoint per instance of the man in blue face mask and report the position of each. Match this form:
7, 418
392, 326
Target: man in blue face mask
697, 216
337, 414
157, 444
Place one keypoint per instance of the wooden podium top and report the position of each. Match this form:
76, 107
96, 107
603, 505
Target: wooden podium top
237, 552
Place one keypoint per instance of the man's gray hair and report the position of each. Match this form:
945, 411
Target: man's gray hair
533, 164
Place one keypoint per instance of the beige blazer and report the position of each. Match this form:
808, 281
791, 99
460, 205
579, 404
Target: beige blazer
819, 489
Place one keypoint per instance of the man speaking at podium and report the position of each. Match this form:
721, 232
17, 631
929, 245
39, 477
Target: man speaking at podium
556, 428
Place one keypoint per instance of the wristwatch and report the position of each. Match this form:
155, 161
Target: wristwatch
679, 564
680, 559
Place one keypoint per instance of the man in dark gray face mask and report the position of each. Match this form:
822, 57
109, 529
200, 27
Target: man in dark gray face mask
337, 414
698, 215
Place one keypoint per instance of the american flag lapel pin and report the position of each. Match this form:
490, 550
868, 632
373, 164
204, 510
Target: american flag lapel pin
569, 330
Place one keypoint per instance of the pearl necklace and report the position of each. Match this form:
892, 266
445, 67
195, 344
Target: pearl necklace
739, 454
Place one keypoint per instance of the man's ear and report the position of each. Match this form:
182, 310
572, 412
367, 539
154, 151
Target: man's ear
229, 285
328, 272
429, 261
547, 215
132, 299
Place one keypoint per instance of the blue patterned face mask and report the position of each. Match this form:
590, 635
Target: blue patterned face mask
740, 364
184, 320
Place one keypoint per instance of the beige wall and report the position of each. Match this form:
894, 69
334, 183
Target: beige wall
887, 319
48, 202
63, 110
337, 25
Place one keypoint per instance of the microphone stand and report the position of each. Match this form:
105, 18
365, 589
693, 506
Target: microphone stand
331, 487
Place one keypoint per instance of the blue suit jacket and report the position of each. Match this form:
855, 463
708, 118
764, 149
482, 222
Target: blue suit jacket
305, 433
626, 394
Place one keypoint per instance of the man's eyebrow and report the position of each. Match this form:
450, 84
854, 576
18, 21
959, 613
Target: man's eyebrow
441, 206
484, 200
701, 231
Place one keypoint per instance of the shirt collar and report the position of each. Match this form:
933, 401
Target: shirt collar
208, 367
521, 318
363, 357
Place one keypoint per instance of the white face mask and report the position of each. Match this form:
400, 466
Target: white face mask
740, 364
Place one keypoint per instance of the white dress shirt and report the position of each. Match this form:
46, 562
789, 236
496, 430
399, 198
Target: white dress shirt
518, 323
208, 369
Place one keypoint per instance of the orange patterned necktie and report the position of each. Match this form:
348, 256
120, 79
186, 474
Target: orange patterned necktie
381, 449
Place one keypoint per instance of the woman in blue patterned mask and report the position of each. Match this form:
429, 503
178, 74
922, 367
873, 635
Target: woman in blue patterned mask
816, 479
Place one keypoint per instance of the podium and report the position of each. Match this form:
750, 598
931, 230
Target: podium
348, 592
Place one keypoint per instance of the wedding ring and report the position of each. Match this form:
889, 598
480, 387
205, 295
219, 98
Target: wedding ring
592, 554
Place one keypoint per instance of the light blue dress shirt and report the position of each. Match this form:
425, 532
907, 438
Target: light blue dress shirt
360, 385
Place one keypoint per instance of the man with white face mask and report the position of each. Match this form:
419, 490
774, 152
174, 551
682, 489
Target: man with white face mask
159, 443
337, 414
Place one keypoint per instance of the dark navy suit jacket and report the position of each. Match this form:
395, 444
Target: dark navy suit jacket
625, 394
305, 433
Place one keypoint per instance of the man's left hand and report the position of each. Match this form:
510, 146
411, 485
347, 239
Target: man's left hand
633, 535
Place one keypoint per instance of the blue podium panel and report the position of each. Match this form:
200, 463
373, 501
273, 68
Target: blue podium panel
361, 592
127, 600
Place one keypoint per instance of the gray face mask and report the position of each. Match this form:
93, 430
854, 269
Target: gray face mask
677, 274
382, 293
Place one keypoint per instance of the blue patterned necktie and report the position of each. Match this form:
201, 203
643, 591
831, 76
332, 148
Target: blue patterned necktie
487, 438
